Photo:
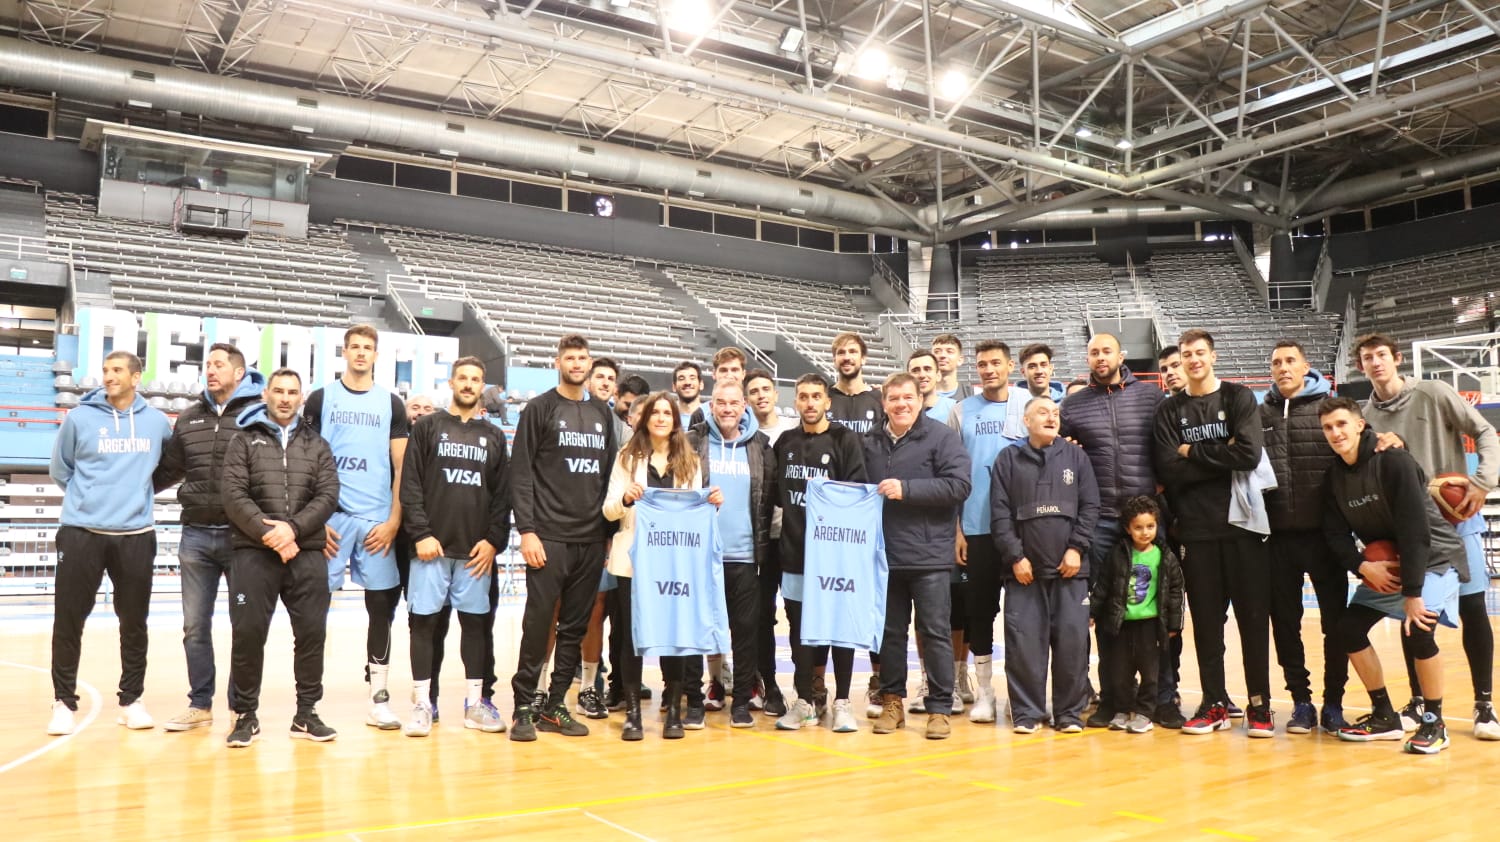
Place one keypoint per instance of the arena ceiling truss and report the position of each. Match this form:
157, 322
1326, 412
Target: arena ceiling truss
955, 115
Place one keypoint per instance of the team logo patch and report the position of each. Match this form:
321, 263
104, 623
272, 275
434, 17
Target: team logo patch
562, 423
482, 441
870, 413
1221, 415
1182, 422
1067, 476
239, 599
103, 432
443, 437
598, 428
825, 459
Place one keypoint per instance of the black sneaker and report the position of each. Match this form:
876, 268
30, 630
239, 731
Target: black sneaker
615, 698
590, 705
1371, 727
1234, 711
693, 719
1411, 715
246, 729
538, 703
739, 716
523, 725
307, 726
1431, 736
559, 721
645, 692
775, 705
1099, 718
1169, 716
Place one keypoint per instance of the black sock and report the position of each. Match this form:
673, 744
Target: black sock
1380, 700
1434, 707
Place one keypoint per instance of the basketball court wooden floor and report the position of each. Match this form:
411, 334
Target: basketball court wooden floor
108, 783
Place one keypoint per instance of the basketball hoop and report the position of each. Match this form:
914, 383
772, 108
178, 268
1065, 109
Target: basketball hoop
1472, 398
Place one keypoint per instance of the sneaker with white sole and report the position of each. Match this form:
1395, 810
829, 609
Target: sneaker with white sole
1138, 724
1431, 737
483, 717
135, 717
984, 705
918, 703
590, 704
489, 704
188, 720
1119, 721
843, 717
799, 715
381, 716
1485, 725
873, 705
61, 723
962, 689
420, 723
307, 726
1025, 727
246, 729
1411, 715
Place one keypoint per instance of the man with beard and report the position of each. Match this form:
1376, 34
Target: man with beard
453, 497
687, 385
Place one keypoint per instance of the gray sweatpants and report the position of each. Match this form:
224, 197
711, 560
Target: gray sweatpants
1049, 617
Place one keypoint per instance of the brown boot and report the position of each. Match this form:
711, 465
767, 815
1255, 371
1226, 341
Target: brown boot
938, 727
892, 714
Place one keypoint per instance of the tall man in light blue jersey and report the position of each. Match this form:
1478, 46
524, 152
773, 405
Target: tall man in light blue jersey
365, 425
989, 422
102, 459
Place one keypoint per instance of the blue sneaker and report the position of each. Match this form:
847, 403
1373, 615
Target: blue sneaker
1304, 718
1333, 719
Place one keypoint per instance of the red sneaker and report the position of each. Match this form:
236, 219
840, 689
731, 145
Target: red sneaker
1259, 722
1209, 718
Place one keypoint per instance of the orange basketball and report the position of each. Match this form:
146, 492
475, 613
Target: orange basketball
1385, 552
1448, 491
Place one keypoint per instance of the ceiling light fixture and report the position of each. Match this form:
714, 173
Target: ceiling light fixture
953, 84
1124, 143
791, 39
872, 64
1084, 131
690, 17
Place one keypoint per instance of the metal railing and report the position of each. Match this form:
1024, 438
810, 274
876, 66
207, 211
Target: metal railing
943, 306
892, 277
394, 293
763, 359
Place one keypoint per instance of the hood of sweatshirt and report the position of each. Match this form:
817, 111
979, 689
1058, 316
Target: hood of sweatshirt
1367, 441
1314, 387
259, 415
1397, 403
747, 429
252, 385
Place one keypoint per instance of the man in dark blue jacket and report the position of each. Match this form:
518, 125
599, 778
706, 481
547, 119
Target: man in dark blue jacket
923, 473
1044, 506
1300, 457
1111, 419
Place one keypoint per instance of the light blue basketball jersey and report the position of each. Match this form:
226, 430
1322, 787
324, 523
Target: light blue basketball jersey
843, 594
941, 410
357, 426
677, 593
981, 422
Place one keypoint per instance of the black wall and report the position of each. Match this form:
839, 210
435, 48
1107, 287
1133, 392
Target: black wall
332, 199
1435, 235
57, 164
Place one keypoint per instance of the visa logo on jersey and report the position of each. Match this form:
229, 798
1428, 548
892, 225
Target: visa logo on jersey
673, 588
351, 463
798, 499
836, 583
581, 465
462, 476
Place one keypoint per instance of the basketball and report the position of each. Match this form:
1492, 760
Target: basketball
1384, 551
1448, 491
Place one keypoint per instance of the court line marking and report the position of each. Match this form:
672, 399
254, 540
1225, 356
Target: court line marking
623, 829
1141, 817
96, 702
355, 834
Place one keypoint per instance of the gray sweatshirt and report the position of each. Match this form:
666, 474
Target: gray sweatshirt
1429, 415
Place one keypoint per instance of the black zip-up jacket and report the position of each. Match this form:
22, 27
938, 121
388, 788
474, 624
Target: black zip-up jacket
1043, 502
762, 464
1198, 485
455, 485
271, 474
1113, 423
1110, 589
559, 468
1299, 455
195, 453
933, 466
800, 456
1383, 496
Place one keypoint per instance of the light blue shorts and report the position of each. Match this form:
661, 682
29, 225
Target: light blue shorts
791, 586
607, 581
369, 571
1471, 532
1439, 593
445, 581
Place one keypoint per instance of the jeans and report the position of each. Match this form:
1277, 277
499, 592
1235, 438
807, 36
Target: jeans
203, 556
928, 593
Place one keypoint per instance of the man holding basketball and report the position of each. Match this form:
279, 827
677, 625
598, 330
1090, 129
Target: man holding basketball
1380, 497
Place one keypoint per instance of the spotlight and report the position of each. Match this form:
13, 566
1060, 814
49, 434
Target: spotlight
791, 39
871, 64
953, 84
690, 17
1084, 131
1124, 143
604, 206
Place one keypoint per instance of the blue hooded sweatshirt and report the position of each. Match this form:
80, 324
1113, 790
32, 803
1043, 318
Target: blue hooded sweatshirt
103, 460
729, 469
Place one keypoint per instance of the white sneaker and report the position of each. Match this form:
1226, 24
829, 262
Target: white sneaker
61, 723
962, 690
918, 703
381, 716
984, 705
482, 717
1485, 726
843, 717
1138, 724
420, 724
797, 716
873, 705
135, 717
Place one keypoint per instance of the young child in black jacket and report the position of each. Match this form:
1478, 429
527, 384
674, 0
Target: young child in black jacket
1137, 599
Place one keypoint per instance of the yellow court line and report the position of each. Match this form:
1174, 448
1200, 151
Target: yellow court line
1066, 802
987, 785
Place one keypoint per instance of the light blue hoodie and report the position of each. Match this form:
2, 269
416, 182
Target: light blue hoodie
729, 469
103, 459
